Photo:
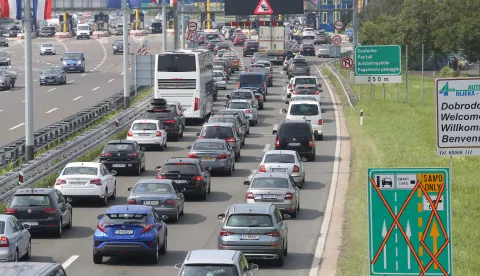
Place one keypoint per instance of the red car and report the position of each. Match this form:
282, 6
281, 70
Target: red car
239, 39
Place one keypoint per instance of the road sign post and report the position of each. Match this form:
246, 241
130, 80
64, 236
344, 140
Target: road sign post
192, 26
457, 114
378, 64
409, 215
338, 25
192, 37
347, 63
337, 40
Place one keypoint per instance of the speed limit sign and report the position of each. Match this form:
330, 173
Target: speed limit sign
337, 40
192, 37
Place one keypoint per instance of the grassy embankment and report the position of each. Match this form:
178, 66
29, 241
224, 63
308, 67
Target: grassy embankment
403, 135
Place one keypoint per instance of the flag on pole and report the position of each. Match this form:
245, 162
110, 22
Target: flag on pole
42, 9
11, 9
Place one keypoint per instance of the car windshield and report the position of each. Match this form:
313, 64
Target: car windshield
212, 36
269, 183
72, 56
251, 80
218, 132
3, 54
279, 158
250, 220
118, 147
2, 224
186, 168
306, 90
83, 28
118, 42
238, 105
144, 126
304, 109
219, 68
80, 171
260, 56
208, 146
51, 71
30, 200
158, 188
300, 81
223, 120
209, 270
241, 95
290, 130
218, 74
124, 219
47, 45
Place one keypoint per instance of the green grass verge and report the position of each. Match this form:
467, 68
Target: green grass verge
402, 135
141, 95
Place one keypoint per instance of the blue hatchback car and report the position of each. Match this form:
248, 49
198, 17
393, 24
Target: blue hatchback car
73, 62
130, 230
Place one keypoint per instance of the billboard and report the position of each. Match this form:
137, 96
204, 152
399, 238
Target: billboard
247, 7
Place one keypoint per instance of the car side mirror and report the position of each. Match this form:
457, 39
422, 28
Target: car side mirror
26, 226
228, 96
246, 182
259, 159
189, 147
221, 216
164, 217
130, 189
253, 267
284, 110
274, 132
143, 148
315, 132
304, 159
286, 216
113, 172
83, 59
178, 266
158, 168
60, 172
99, 217
197, 134
287, 101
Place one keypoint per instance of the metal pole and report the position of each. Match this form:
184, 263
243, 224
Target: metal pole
135, 57
126, 54
29, 142
335, 13
383, 87
423, 75
175, 25
451, 170
355, 24
182, 24
396, 94
164, 24
406, 73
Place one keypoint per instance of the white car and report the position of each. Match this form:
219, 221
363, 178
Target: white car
307, 90
247, 106
301, 80
307, 110
148, 132
87, 180
47, 49
220, 79
308, 33
284, 161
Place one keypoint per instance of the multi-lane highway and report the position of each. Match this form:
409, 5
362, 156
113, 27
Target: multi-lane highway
102, 78
198, 228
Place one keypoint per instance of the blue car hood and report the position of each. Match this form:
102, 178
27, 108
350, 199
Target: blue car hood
72, 60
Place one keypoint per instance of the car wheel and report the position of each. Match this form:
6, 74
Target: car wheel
154, 257
105, 198
70, 222
114, 195
176, 216
280, 260
319, 137
285, 252
177, 137
163, 249
294, 213
29, 251
181, 134
15, 257
97, 258
139, 169
205, 194
311, 157
58, 232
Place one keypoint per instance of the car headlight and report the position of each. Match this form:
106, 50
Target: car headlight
114, 47
7, 59
64, 63
79, 62
42, 77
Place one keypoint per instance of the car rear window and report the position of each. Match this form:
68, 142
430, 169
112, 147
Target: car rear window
250, 220
269, 183
158, 114
158, 188
294, 130
300, 63
218, 74
121, 218
304, 109
241, 95
219, 132
279, 158
2, 224
212, 36
223, 46
144, 126
180, 168
299, 81
80, 171
251, 79
252, 43
30, 200
208, 146
209, 269
238, 105
223, 120
118, 147
306, 90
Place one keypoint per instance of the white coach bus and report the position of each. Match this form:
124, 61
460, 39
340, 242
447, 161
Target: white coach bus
186, 76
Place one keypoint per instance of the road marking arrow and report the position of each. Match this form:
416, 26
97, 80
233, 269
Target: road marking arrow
384, 234
434, 234
409, 234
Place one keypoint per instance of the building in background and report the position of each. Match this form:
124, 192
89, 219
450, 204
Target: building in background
326, 19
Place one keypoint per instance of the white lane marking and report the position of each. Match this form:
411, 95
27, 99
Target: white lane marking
95, 68
69, 261
266, 148
50, 90
63, 44
111, 80
1, 110
77, 98
83, 75
280, 111
333, 188
23, 101
51, 110
17, 126
121, 73
275, 127
70, 81
48, 63
95, 88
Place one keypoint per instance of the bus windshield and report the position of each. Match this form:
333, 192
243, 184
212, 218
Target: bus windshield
176, 63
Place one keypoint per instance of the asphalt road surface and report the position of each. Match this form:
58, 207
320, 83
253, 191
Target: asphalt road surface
198, 228
102, 78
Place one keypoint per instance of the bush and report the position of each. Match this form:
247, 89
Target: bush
447, 72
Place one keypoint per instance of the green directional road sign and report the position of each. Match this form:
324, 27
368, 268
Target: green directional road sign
378, 64
407, 234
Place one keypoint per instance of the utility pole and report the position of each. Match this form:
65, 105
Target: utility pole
126, 54
164, 24
29, 142
182, 24
355, 24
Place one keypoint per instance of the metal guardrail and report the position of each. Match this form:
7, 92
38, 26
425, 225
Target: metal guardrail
63, 129
56, 158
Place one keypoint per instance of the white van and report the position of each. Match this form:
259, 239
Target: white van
83, 31
307, 110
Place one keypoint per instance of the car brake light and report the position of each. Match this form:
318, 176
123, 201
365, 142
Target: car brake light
158, 134
238, 84
96, 181
195, 107
60, 182
131, 201
101, 228
106, 154
248, 111
277, 143
273, 234
320, 122
130, 134
288, 196
169, 202
50, 210
303, 49
161, 177
295, 92
132, 154
170, 121
4, 242
232, 139
316, 93
201, 137
296, 168
191, 155
197, 178
310, 143
10, 211
262, 168
224, 233
223, 156
249, 195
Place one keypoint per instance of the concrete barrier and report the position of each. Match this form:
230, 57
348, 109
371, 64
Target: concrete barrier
98, 34
137, 33
170, 32
63, 35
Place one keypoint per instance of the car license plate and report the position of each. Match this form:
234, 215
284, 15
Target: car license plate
72, 68
294, 144
180, 181
151, 202
124, 232
143, 134
31, 223
279, 170
77, 183
118, 165
269, 196
249, 237
50, 80
208, 158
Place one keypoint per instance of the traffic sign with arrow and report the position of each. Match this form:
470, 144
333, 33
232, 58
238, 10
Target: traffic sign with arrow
347, 62
263, 8
348, 32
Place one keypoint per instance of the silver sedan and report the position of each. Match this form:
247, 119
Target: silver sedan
47, 49
284, 161
216, 154
277, 188
162, 194
15, 239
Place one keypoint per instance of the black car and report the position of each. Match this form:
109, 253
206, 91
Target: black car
3, 41
189, 174
118, 46
307, 49
157, 27
212, 43
44, 209
123, 155
14, 31
296, 135
53, 76
172, 121
47, 32
250, 47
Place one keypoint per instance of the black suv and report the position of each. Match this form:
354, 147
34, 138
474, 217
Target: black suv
43, 209
163, 112
296, 135
123, 155
250, 47
117, 46
190, 175
307, 49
